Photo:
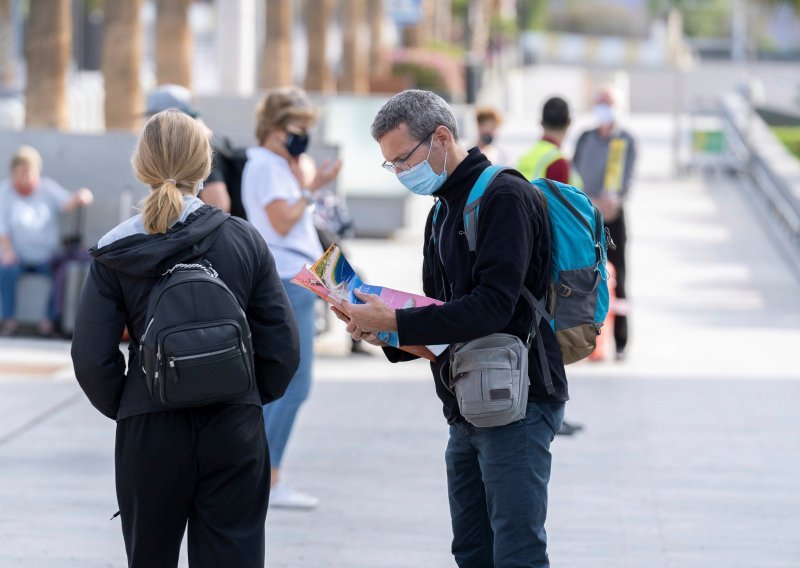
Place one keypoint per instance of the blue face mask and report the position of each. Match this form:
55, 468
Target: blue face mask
421, 179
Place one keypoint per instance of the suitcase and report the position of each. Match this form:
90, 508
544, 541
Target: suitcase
71, 271
75, 273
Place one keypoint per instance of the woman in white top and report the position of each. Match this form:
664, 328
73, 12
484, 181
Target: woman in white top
278, 185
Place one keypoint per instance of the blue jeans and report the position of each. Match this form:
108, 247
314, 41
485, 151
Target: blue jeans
9, 276
279, 416
497, 484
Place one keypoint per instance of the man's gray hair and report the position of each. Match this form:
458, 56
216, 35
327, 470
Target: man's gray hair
421, 111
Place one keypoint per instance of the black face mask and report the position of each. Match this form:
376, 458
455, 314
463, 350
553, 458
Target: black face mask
296, 144
487, 139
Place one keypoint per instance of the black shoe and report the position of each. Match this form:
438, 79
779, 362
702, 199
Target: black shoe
568, 429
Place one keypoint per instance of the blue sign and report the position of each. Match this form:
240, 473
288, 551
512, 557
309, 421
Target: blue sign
405, 12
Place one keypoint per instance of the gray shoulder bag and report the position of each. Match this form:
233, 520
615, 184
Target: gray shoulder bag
489, 375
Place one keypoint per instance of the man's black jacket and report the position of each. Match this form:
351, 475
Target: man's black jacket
116, 292
482, 289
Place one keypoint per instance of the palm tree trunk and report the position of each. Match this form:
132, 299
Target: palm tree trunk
121, 64
442, 21
173, 43
378, 57
277, 57
8, 72
354, 57
48, 48
318, 14
478, 23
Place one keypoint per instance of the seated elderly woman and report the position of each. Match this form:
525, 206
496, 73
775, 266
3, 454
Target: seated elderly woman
29, 234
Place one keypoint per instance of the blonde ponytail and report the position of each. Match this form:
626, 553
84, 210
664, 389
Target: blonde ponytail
162, 207
172, 156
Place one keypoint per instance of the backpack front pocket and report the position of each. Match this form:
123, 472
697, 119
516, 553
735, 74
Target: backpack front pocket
204, 364
488, 382
576, 301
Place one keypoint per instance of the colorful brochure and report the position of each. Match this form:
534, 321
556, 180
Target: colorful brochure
334, 280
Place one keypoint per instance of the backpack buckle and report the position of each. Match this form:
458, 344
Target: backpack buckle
610, 244
564, 291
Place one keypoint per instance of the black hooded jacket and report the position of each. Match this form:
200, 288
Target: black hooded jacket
482, 289
116, 293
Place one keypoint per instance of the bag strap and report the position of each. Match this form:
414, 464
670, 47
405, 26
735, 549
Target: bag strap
538, 313
474, 202
538, 308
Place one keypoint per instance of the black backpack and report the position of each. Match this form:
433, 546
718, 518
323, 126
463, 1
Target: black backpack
196, 348
231, 160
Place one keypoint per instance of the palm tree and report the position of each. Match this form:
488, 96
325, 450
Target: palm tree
48, 44
8, 73
277, 57
121, 63
173, 43
318, 14
354, 55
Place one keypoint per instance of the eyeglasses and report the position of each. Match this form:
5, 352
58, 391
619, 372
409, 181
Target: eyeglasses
400, 164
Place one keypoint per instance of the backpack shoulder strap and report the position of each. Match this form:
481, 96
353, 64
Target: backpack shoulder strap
474, 201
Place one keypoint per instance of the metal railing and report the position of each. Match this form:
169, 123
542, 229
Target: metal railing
781, 202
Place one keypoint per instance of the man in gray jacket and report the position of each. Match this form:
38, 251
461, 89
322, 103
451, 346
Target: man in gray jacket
605, 157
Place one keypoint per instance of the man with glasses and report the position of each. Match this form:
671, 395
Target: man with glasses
497, 477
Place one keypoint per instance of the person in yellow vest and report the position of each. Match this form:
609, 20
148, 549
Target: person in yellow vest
545, 159
605, 157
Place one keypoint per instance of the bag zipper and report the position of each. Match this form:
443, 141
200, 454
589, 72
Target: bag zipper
439, 251
146, 330
173, 359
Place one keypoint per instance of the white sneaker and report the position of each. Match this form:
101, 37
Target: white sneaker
284, 497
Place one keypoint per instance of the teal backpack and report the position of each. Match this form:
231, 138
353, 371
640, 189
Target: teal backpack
578, 298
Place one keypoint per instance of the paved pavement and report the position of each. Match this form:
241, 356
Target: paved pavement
690, 457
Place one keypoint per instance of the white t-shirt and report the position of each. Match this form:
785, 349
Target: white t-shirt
32, 222
267, 177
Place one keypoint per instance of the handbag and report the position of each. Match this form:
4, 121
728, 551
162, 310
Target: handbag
489, 375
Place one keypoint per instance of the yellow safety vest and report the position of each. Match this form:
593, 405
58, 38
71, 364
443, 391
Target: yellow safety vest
535, 162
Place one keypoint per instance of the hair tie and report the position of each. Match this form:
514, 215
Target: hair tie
172, 180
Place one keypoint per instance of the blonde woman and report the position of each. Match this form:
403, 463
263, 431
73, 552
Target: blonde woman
205, 467
277, 189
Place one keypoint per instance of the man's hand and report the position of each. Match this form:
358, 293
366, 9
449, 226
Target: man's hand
84, 196
609, 206
355, 333
371, 316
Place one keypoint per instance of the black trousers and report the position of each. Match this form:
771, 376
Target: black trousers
617, 258
208, 467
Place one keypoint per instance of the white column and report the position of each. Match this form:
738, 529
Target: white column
236, 46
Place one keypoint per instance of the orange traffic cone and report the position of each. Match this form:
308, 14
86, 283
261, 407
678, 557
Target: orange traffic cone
607, 331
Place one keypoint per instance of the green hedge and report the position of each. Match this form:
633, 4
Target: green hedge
790, 136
